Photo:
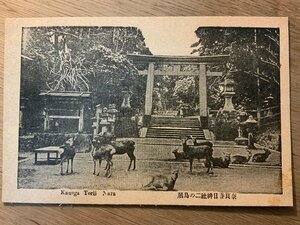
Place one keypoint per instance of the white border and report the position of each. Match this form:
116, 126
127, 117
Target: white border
13, 29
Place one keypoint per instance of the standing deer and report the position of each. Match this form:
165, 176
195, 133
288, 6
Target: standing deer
68, 154
121, 147
102, 152
125, 146
199, 151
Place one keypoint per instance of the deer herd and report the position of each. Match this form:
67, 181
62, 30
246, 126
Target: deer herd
105, 146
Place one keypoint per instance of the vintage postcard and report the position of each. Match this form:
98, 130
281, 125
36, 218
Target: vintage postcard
147, 111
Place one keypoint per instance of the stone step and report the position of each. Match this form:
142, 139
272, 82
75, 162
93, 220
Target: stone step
175, 122
174, 133
174, 127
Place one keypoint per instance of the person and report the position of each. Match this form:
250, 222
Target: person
181, 109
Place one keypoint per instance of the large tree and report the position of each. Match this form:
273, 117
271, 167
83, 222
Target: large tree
82, 59
254, 56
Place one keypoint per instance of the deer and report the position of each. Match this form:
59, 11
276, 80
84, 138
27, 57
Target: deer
223, 161
121, 147
162, 183
261, 157
102, 152
68, 155
199, 151
179, 155
241, 159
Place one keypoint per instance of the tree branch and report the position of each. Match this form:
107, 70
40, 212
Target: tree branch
276, 82
73, 35
272, 63
273, 39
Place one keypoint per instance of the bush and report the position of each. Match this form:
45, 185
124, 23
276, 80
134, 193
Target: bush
269, 137
39, 140
226, 128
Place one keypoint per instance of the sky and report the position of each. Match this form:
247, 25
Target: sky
165, 40
163, 36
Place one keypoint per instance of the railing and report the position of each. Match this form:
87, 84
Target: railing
267, 116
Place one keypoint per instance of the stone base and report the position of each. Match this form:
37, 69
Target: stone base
241, 141
146, 120
204, 121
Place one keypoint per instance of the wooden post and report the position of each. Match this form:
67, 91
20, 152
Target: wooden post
46, 120
35, 157
203, 96
98, 111
48, 157
256, 69
81, 123
258, 102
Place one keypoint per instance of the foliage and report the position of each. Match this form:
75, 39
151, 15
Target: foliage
254, 53
185, 89
269, 137
225, 127
165, 86
83, 59
171, 91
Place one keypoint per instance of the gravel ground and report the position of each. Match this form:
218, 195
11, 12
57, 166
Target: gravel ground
152, 160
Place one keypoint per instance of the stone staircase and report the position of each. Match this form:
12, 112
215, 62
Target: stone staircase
174, 127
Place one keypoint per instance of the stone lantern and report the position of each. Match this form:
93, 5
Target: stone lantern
23, 103
126, 99
228, 93
125, 109
251, 125
240, 140
269, 103
104, 124
112, 111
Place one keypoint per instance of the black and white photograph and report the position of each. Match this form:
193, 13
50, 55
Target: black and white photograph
171, 111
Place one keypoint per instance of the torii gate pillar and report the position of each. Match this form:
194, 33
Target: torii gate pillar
203, 96
149, 95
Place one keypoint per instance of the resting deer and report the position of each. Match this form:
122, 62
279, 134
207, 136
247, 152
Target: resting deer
223, 161
241, 159
68, 154
162, 183
179, 155
261, 157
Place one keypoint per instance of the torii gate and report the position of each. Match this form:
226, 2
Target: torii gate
174, 66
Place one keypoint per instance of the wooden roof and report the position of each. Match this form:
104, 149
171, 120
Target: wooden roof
66, 94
